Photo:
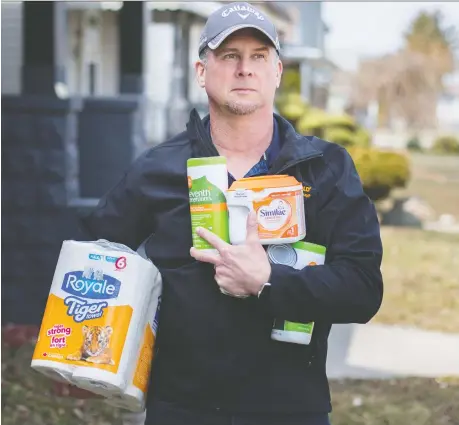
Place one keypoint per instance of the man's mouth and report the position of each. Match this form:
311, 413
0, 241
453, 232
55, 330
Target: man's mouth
243, 90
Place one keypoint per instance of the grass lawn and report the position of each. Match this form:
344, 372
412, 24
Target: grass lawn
421, 278
27, 399
395, 402
420, 268
435, 179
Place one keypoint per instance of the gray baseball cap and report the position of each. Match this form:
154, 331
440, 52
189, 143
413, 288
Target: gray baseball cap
233, 17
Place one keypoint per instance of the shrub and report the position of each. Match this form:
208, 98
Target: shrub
314, 119
342, 136
341, 121
292, 111
291, 80
446, 145
291, 106
362, 138
380, 171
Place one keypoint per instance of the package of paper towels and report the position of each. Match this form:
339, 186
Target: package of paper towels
133, 398
95, 316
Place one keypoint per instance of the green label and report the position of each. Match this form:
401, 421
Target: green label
211, 160
208, 209
311, 247
284, 325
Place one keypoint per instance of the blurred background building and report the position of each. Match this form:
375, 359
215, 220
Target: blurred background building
86, 87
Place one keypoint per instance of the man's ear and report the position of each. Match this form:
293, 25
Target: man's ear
280, 68
200, 70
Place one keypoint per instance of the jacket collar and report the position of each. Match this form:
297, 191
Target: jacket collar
295, 147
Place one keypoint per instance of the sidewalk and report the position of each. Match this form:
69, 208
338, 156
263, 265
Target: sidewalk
375, 351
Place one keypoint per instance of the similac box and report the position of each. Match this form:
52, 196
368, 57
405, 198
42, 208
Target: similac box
278, 203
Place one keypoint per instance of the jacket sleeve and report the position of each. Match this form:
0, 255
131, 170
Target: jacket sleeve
120, 215
348, 288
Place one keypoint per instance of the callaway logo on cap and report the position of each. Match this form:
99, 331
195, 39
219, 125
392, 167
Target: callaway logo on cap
233, 17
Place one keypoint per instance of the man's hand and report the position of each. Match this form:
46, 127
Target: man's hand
239, 269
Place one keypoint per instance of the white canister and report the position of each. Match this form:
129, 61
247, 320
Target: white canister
298, 255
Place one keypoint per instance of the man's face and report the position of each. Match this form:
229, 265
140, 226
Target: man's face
242, 74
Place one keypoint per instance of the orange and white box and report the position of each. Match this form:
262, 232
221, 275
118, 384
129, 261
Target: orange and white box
278, 203
95, 317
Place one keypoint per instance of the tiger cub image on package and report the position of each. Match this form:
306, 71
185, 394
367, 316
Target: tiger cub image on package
96, 346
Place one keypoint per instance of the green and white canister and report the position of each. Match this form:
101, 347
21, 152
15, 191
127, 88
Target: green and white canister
207, 184
298, 255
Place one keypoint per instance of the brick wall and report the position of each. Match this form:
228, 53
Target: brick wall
58, 158
39, 176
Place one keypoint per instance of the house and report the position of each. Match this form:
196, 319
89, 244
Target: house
304, 48
86, 87
70, 127
79, 90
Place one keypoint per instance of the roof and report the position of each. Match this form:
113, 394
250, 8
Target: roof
279, 9
312, 55
203, 9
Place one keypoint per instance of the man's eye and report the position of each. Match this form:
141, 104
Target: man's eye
229, 56
260, 56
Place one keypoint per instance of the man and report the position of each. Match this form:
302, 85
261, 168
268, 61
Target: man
215, 361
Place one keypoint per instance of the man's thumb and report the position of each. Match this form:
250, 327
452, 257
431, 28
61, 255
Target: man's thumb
252, 227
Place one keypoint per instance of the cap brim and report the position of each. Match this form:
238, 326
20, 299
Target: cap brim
220, 38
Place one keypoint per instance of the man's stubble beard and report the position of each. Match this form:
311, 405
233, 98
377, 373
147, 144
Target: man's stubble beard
237, 108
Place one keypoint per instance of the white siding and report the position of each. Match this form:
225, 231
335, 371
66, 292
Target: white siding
11, 47
160, 61
110, 54
74, 83
197, 94
160, 58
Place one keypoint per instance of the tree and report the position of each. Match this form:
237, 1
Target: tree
406, 83
403, 84
429, 36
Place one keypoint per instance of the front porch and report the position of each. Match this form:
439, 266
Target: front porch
61, 151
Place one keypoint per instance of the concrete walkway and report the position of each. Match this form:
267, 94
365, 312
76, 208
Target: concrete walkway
382, 351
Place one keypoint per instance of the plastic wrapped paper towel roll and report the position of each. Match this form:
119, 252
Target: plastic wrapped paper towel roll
133, 398
95, 316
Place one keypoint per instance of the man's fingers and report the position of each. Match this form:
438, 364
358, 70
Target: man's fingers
252, 228
212, 238
206, 257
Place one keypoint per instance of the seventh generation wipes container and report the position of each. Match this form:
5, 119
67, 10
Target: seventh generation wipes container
95, 320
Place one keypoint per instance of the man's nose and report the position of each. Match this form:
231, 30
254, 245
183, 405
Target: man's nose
244, 68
